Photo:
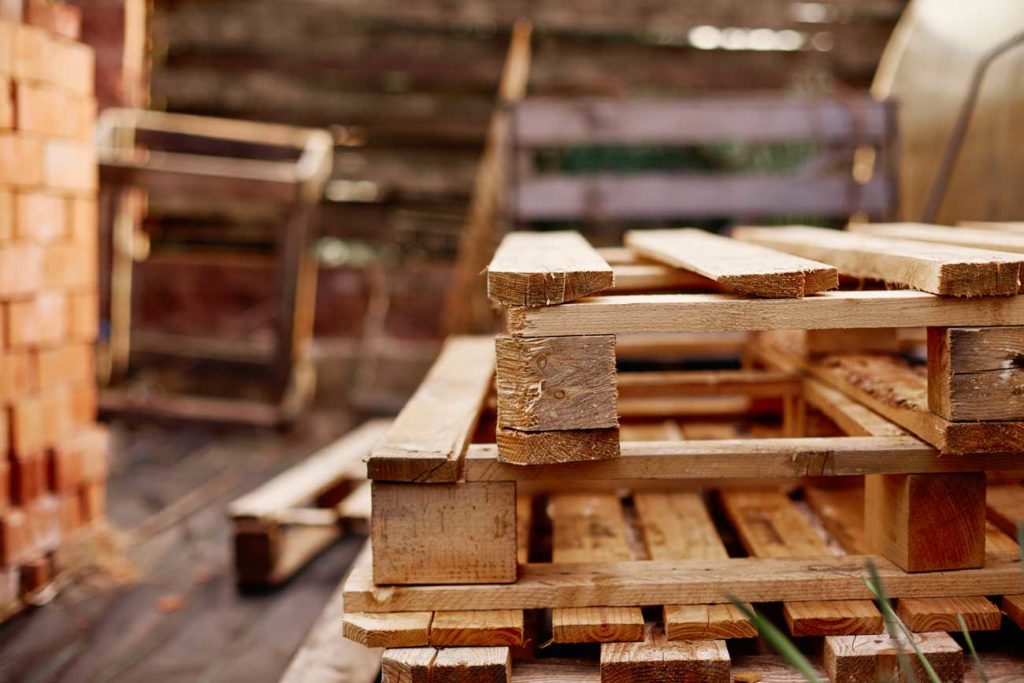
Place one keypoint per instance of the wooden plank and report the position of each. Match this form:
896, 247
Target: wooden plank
770, 525
560, 446
658, 659
903, 513
653, 277
736, 266
656, 313
852, 658
706, 622
591, 528
556, 383
1013, 607
524, 523
396, 629
976, 237
975, 373
407, 665
925, 615
936, 268
427, 440
477, 628
627, 584
752, 383
737, 458
444, 533
472, 665
1006, 506
541, 269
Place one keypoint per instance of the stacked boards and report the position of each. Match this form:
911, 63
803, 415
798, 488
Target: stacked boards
54, 467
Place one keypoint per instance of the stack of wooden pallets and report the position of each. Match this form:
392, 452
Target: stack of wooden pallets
52, 475
535, 497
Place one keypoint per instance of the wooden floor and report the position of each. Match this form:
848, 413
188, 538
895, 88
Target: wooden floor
182, 617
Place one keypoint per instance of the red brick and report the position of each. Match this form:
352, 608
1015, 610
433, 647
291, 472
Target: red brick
65, 473
15, 537
43, 319
5, 481
35, 575
27, 426
18, 375
70, 510
41, 217
81, 404
7, 31
44, 523
55, 17
60, 412
85, 223
70, 165
21, 160
84, 316
28, 478
6, 103
70, 363
94, 502
68, 266
92, 443
31, 54
6, 216
21, 270
5, 447
71, 66
47, 110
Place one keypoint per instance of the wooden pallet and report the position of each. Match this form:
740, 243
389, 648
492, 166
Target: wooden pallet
284, 523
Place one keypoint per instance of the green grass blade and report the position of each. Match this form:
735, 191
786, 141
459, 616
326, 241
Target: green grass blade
779, 642
970, 646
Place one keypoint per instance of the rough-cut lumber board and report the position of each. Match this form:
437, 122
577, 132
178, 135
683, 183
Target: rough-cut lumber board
752, 383
627, 584
1013, 607
656, 313
545, 268
770, 525
427, 440
658, 659
653, 277
472, 665
1006, 506
975, 373
395, 629
680, 345
888, 386
591, 528
407, 665
926, 522
879, 340
936, 268
976, 237
327, 655
738, 458
444, 533
561, 446
706, 622
477, 628
853, 659
736, 266
556, 383
924, 614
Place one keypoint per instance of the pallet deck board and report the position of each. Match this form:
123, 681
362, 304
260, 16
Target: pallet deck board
977, 237
924, 266
736, 266
644, 314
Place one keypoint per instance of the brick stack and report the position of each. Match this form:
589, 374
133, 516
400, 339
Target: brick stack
52, 478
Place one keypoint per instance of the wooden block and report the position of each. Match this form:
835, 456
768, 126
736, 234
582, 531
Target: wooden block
657, 659
21, 270
706, 622
28, 426
84, 315
833, 617
1005, 506
28, 478
924, 615
936, 268
859, 659
477, 628
556, 383
21, 161
1013, 607
15, 539
40, 217
597, 624
926, 522
736, 266
93, 498
407, 665
393, 629
18, 375
975, 373
65, 364
429, 437
472, 665
545, 268
38, 321
571, 445
70, 165
444, 533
